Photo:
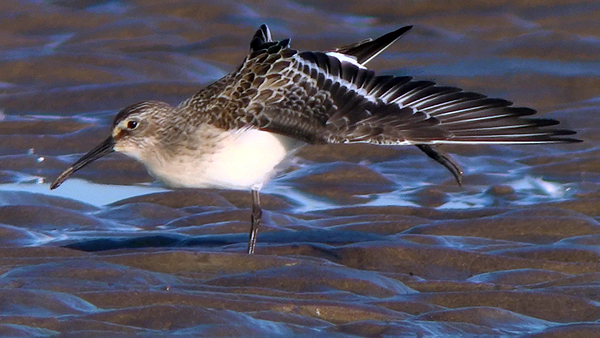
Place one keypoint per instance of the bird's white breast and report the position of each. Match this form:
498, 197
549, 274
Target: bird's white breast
239, 159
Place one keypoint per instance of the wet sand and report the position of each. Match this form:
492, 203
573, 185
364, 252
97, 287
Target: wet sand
358, 240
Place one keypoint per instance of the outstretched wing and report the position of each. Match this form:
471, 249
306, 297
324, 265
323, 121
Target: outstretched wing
324, 98
320, 99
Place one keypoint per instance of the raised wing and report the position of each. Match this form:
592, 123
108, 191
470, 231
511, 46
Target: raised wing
323, 98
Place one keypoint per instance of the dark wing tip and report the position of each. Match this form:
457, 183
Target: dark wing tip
262, 42
398, 32
555, 139
262, 36
364, 51
565, 132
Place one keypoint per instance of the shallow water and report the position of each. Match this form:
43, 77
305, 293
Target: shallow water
358, 239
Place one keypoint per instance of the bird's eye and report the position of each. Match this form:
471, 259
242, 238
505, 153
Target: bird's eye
131, 125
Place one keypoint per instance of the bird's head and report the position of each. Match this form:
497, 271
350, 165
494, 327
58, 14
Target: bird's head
133, 133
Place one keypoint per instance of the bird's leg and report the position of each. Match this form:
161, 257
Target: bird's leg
254, 220
443, 159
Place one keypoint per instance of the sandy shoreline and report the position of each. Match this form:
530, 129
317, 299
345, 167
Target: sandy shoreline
357, 241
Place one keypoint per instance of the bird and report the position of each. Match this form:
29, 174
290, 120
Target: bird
240, 131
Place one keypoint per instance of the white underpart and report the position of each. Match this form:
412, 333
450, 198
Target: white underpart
248, 159
243, 159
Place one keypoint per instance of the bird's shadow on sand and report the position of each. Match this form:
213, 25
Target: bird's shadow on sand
315, 237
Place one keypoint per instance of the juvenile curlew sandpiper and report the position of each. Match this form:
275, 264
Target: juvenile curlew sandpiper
236, 132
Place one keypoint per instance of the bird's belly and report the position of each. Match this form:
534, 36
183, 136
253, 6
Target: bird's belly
243, 159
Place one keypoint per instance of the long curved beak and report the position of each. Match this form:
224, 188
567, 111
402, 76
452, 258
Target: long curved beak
102, 149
